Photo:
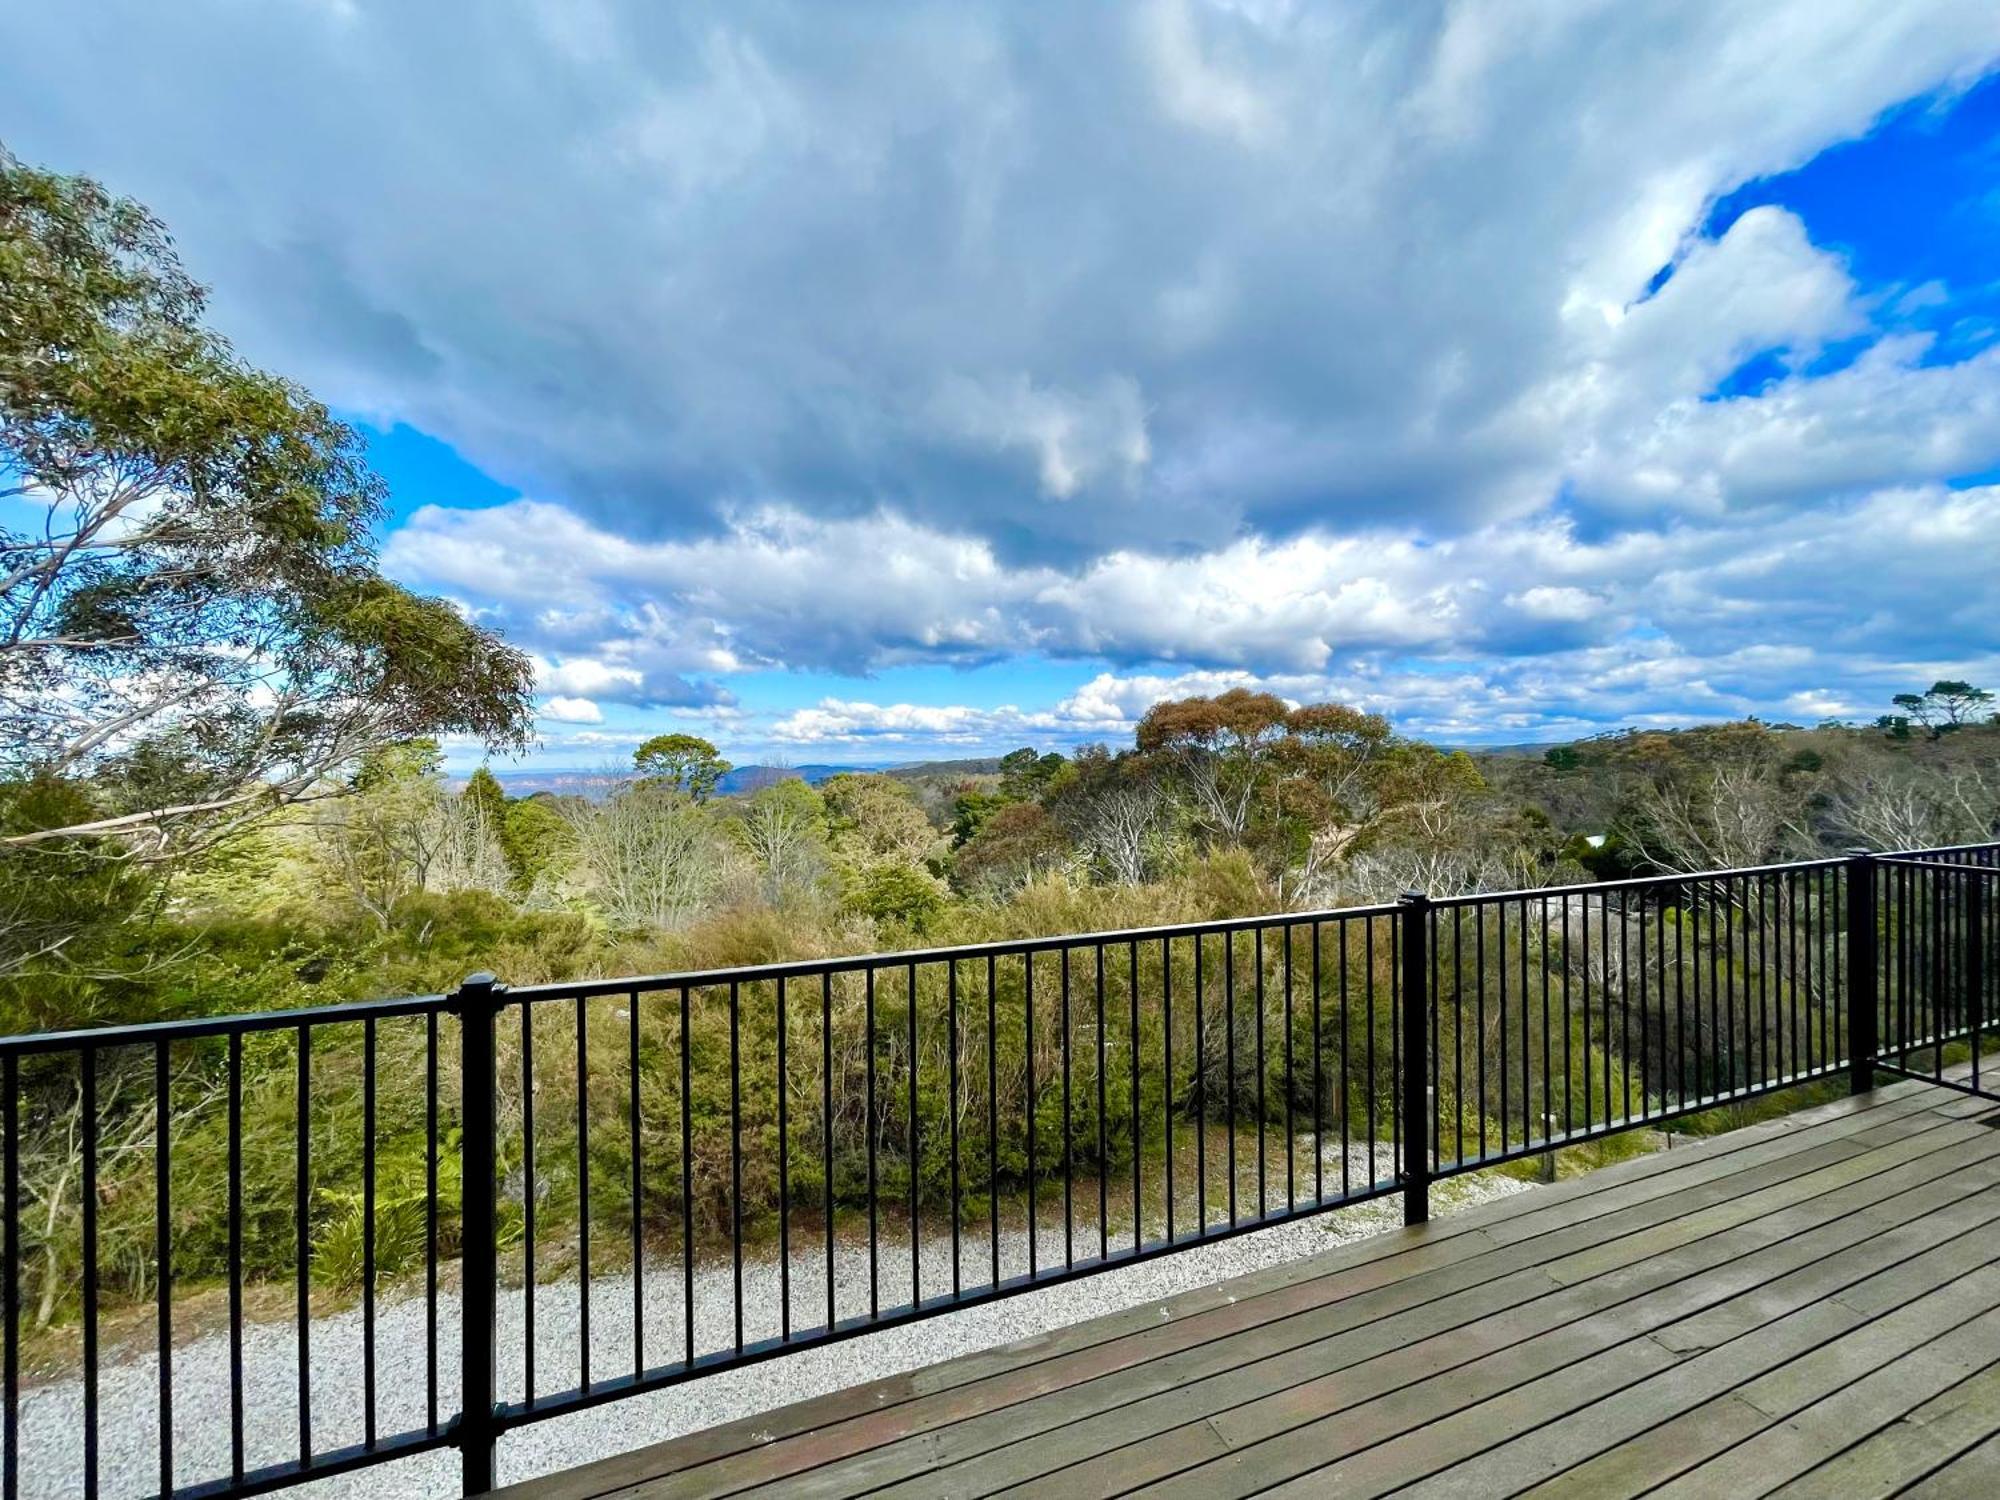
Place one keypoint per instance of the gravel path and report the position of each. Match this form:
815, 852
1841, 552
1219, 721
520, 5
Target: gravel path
51, 1415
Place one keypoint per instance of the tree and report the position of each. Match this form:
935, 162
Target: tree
685, 762
1121, 827
537, 841
876, 819
783, 828
380, 841
1944, 706
1016, 845
1337, 762
1900, 806
648, 856
52, 905
897, 893
483, 791
194, 630
1025, 775
1222, 745
970, 811
1719, 797
467, 852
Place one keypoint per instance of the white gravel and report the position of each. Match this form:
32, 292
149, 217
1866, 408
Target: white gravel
51, 1414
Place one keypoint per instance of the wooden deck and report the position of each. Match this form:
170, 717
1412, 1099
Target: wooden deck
1808, 1308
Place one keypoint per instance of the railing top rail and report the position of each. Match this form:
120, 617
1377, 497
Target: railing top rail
1936, 864
147, 1033
813, 968
1634, 882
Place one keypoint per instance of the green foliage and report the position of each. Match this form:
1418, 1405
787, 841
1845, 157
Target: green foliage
1013, 845
895, 893
61, 905
1026, 775
1946, 705
484, 793
875, 818
536, 840
196, 631
970, 812
685, 762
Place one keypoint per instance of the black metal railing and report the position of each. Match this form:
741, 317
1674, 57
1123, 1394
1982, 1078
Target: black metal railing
635, 1182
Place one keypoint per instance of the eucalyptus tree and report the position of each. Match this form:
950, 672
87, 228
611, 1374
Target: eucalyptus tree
193, 628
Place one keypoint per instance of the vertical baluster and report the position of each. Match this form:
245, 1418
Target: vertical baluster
10, 1288
1975, 965
1527, 1038
1346, 1073
1413, 1151
639, 1191
1291, 1184
1132, 1080
1263, 1115
1569, 1058
1458, 1036
1625, 1007
583, 1182
163, 1257
1680, 992
1229, 1054
302, 1211
1548, 1052
1034, 1159
916, 1155
1479, 1013
826, 1129
1319, 1079
1604, 967
1200, 1098
1437, 1053
1167, 1065
993, 1119
368, 1389
1103, 1160
530, 1193
235, 1126
431, 1222
478, 1004
735, 1158
1374, 1124
1069, 1129
1501, 1013
874, 1198
687, 1184
951, 1052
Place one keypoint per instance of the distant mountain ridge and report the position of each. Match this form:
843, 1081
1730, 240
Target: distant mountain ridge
740, 779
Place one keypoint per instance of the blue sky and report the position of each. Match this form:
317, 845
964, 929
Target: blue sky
868, 384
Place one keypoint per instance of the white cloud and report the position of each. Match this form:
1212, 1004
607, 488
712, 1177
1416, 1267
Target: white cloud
1196, 271
582, 675
571, 711
1201, 341
781, 589
1076, 440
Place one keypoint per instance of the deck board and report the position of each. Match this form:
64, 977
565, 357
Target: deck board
1812, 1303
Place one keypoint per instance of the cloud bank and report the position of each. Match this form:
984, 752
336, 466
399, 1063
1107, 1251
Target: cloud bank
1381, 351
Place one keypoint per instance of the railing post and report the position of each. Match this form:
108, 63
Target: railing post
1975, 962
1413, 990
1862, 1042
477, 1003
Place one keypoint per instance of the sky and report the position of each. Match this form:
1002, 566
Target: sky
870, 383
